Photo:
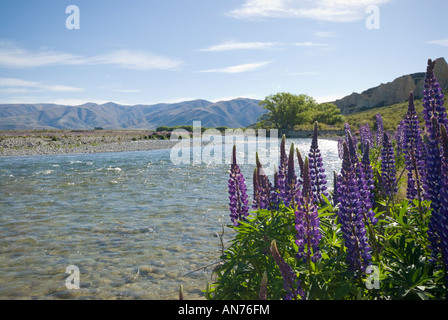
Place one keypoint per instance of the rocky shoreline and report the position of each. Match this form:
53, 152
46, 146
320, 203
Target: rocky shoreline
46, 142
14, 143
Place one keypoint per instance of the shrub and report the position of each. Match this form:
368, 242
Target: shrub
369, 244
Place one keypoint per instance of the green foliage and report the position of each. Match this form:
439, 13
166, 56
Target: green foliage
286, 110
164, 128
401, 263
391, 115
249, 257
401, 257
327, 113
222, 129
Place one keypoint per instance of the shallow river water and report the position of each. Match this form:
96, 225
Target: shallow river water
133, 224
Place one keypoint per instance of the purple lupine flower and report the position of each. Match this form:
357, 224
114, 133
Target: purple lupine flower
351, 217
366, 186
349, 135
399, 136
301, 164
282, 170
237, 192
388, 170
366, 136
291, 188
307, 222
443, 216
414, 152
433, 99
293, 291
262, 187
317, 170
256, 204
379, 129
432, 185
275, 199
351, 143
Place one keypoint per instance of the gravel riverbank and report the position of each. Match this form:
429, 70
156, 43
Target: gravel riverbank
46, 142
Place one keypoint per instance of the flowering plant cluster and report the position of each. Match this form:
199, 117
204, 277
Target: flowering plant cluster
305, 240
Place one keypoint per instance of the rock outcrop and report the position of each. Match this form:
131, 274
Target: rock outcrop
392, 92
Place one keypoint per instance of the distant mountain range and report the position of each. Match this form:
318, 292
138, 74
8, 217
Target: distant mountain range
392, 92
235, 113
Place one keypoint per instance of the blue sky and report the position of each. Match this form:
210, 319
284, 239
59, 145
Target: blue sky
151, 51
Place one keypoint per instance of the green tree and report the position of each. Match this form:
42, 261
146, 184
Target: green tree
285, 110
328, 113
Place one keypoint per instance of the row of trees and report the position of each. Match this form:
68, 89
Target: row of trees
286, 110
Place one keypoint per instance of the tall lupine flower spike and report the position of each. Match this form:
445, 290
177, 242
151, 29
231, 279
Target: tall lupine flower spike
433, 185
400, 137
237, 192
366, 186
350, 136
282, 169
307, 222
443, 216
275, 198
351, 217
317, 170
293, 291
433, 98
300, 161
256, 204
414, 152
262, 187
379, 129
388, 170
292, 188
365, 136
351, 143
366, 183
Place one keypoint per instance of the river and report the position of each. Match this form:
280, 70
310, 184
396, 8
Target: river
125, 225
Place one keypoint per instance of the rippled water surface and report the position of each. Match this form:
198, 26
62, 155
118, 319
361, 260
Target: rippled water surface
136, 225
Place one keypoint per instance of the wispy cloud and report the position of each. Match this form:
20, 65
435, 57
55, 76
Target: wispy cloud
309, 44
233, 45
325, 34
138, 60
128, 90
12, 56
439, 42
12, 85
322, 10
302, 73
240, 68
